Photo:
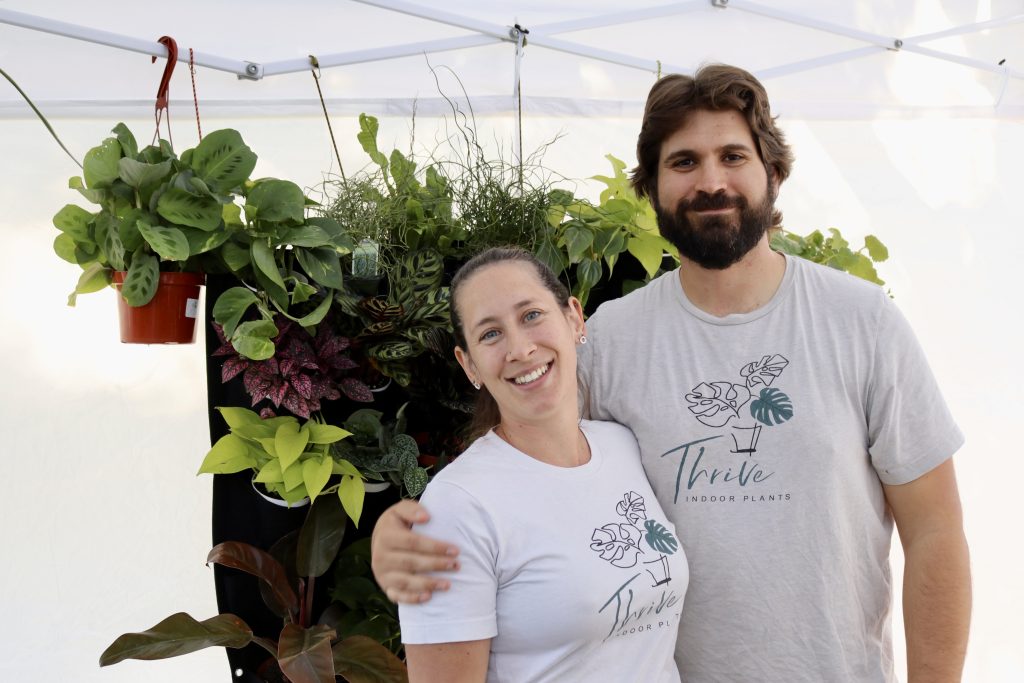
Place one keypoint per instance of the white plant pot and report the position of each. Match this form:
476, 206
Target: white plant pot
278, 501
375, 486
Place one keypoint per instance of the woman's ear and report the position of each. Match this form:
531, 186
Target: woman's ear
467, 365
575, 316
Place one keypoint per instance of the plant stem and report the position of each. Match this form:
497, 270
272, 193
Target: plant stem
41, 118
267, 644
307, 607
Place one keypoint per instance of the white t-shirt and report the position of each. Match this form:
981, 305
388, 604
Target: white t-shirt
766, 437
574, 573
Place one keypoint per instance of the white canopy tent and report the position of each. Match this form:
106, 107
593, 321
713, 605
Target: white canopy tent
906, 123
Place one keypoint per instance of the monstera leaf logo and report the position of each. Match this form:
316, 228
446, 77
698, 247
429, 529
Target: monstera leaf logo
772, 407
716, 403
764, 371
617, 543
632, 507
660, 538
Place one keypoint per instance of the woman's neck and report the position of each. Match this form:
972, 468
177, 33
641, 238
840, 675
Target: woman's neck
560, 442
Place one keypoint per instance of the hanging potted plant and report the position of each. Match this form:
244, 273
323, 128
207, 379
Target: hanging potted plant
158, 216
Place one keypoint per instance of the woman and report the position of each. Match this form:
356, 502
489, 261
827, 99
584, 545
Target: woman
569, 569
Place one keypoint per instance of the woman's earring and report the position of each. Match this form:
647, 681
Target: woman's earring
476, 385
583, 339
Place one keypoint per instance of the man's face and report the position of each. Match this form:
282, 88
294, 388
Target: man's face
715, 198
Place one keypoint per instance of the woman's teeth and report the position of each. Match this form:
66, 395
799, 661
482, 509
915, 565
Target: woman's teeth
533, 376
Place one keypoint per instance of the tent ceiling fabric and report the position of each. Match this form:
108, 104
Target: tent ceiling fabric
852, 60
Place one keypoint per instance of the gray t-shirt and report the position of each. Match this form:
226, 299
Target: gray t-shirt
766, 437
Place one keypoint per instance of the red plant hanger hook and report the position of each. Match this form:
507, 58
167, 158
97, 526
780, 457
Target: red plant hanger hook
163, 92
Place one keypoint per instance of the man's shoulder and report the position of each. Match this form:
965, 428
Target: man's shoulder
835, 288
637, 302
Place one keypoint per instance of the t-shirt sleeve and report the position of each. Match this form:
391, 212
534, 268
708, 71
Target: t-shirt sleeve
467, 610
588, 372
910, 428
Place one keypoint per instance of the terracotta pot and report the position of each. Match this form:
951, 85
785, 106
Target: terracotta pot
170, 318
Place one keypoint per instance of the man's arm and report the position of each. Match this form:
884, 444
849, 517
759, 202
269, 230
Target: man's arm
449, 662
937, 574
400, 558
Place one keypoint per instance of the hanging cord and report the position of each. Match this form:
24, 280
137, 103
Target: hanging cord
520, 35
314, 67
163, 92
195, 97
41, 117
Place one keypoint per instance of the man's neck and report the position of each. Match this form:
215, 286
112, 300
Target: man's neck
743, 287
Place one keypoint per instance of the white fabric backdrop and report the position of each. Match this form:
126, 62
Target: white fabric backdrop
107, 527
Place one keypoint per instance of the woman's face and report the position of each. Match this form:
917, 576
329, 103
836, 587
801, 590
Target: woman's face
520, 342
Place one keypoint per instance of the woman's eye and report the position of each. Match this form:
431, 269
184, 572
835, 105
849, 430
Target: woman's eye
488, 335
531, 315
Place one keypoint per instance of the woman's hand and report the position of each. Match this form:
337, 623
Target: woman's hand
401, 558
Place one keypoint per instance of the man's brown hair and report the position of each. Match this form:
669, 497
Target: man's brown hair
714, 87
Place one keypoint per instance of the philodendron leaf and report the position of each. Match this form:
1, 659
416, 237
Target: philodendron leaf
290, 442
275, 200
305, 236
304, 654
178, 634
263, 566
139, 174
314, 317
315, 473
360, 659
100, 166
94, 278
239, 417
323, 434
322, 264
231, 306
222, 160
253, 339
647, 251
142, 279
184, 208
169, 242
229, 455
74, 220
351, 494
263, 258
321, 535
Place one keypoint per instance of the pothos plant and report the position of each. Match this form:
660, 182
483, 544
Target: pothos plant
156, 211
304, 652
290, 460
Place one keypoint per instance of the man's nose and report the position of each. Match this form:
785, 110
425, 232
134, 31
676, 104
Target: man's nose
711, 178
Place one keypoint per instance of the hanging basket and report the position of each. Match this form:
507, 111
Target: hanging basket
170, 318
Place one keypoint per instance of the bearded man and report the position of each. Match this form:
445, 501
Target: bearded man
786, 415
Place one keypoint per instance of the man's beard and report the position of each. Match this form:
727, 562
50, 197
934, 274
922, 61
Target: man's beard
716, 242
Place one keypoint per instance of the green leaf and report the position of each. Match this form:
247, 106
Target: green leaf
229, 455
94, 278
200, 242
263, 257
169, 242
231, 306
302, 291
588, 273
351, 493
577, 239
100, 166
864, 269
263, 566
139, 174
74, 221
304, 655
367, 137
128, 229
184, 208
876, 250
304, 236
322, 265
252, 339
323, 434
94, 196
235, 256
415, 480
178, 634
647, 251
292, 476
127, 140
314, 317
112, 244
321, 535
315, 473
142, 279
551, 256
275, 200
270, 473
239, 417
64, 246
222, 160
290, 442
359, 659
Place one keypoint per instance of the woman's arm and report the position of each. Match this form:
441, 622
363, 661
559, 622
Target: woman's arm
464, 662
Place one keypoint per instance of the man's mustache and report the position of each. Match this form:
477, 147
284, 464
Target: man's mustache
712, 202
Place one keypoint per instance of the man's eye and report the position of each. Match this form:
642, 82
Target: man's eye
734, 157
682, 163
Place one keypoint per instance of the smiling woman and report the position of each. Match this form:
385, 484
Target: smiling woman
531, 602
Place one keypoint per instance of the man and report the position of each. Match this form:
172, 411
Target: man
786, 417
